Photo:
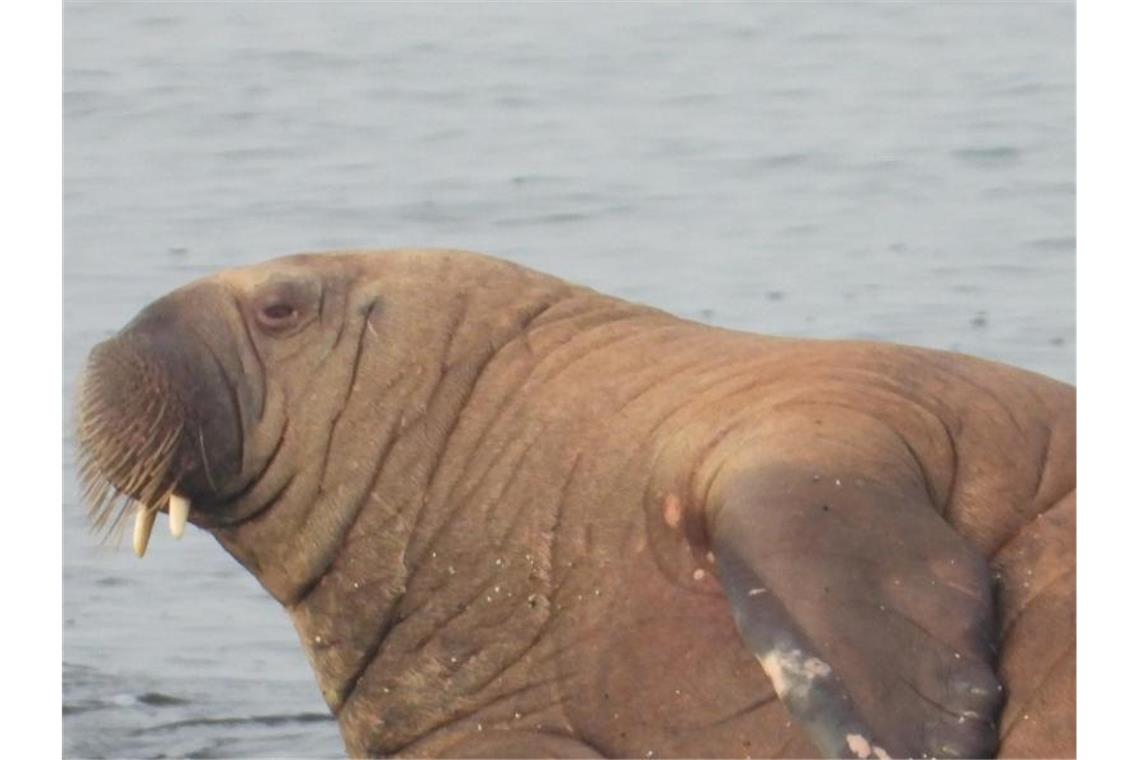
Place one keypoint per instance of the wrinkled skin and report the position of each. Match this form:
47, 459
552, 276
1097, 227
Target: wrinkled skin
514, 517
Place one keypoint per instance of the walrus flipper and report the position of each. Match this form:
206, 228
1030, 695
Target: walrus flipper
870, 615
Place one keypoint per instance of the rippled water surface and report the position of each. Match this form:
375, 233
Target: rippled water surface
891, 171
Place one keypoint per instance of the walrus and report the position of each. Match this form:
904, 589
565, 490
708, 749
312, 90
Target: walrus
513, 517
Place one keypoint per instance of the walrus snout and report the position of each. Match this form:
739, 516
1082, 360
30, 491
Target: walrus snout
159, 417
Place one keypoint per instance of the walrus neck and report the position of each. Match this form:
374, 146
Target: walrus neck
355, 551
384, 440
429, 565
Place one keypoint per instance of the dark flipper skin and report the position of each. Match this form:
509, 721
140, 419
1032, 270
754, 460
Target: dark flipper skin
872, 617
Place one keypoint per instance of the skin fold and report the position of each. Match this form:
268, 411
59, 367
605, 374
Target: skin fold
513, 517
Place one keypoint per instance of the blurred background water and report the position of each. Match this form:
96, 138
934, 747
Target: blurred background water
892, 171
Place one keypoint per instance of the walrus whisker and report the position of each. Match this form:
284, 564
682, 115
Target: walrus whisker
152, 468
126, 455
157, 419
96, 497
163, 449
94, 417
112, 509
137, 476
105, 464
119, 460
110, 521
205, 460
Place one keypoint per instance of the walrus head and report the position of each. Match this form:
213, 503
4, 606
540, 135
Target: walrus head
260, 392
184, 407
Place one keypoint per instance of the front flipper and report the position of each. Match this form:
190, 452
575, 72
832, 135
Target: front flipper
872, 617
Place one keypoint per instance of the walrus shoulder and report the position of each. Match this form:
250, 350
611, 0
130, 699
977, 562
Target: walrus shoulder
873, 618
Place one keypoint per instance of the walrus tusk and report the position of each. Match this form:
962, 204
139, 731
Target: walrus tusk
144, 523
179, 511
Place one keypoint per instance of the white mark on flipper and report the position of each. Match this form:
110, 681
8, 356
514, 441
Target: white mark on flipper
817, 667
774, 673
698, 574
790, 671
880, 753
858, 744
710, 556
757, 591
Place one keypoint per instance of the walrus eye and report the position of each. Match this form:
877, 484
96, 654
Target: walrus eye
282, 306
277, 316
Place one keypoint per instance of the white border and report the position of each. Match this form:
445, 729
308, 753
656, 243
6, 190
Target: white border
32, 375
1108, 212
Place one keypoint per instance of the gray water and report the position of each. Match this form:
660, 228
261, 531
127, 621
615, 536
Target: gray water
899, 172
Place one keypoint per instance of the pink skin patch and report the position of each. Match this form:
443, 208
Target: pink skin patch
672, 511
